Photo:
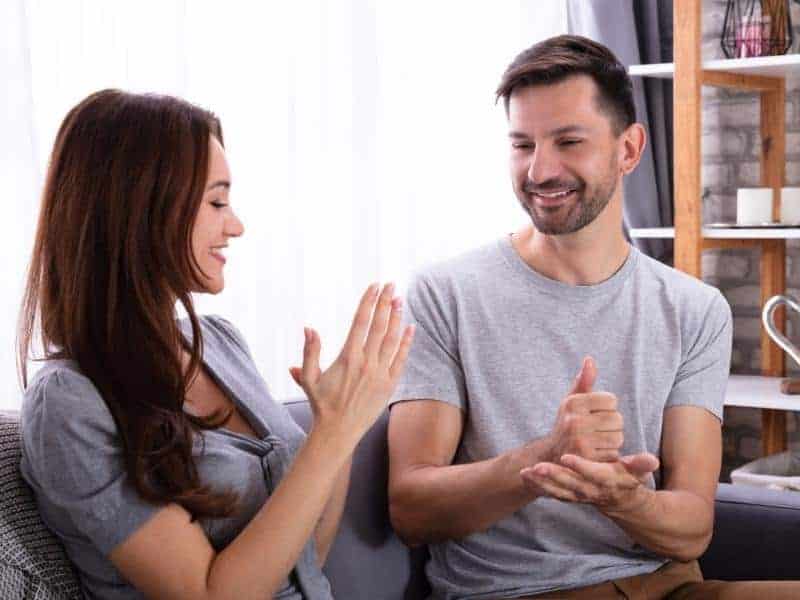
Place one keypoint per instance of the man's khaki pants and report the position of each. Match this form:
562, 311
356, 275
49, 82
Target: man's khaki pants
678, 581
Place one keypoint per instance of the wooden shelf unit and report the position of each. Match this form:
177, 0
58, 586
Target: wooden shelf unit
766, 75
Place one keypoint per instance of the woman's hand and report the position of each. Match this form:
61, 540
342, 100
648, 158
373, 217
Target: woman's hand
349, 396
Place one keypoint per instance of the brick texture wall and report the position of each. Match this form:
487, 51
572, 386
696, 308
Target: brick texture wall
730, 150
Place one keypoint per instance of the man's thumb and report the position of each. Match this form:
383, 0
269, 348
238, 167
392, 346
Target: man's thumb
584, 382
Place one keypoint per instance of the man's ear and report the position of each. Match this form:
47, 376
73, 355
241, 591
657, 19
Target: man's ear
632, 143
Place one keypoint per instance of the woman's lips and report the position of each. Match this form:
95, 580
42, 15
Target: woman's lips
218, 255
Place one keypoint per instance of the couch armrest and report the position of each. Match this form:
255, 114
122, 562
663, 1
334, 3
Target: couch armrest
756, 535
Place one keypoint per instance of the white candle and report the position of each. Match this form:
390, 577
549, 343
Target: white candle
790, 205
753, 206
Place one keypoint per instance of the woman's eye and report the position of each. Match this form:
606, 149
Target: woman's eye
218, 204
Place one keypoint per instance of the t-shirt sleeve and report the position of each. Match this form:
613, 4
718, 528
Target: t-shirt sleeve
74, 461
703, 374
433, 370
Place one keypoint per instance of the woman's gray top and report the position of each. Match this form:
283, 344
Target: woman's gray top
72, 458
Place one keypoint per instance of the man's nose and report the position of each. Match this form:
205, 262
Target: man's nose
544, 165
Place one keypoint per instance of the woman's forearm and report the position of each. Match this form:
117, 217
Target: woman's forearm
328, 524
260, 558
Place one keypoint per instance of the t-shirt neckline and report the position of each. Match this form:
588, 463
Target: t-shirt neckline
559, 288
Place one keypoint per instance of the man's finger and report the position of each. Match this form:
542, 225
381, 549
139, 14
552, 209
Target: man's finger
584, 382
559, 477
599, 473
641, 464
543, 483
592, 402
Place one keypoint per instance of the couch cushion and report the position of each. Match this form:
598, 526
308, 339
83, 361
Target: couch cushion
756, 534
368, 560
33, 563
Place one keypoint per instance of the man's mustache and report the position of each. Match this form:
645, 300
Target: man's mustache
550, 186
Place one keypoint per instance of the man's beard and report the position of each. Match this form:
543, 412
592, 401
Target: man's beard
586, 206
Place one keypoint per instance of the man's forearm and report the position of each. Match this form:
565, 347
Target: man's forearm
675, 524
436, 503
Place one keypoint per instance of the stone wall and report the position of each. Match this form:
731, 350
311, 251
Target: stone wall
730, 150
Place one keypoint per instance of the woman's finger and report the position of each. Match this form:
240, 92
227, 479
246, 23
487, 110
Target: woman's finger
311, 350
380, 319
297, 375
358, 330
399, 362
392, 338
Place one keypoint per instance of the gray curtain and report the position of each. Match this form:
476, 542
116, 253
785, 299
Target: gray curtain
639, 32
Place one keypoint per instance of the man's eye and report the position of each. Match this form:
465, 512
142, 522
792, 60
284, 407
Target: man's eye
521, 146
570, 142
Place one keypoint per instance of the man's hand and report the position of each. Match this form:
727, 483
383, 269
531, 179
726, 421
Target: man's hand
588, 423
614, 488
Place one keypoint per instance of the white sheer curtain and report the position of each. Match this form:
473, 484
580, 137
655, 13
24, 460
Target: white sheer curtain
362, 137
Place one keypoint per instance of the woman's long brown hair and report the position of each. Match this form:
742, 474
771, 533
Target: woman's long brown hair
111, 259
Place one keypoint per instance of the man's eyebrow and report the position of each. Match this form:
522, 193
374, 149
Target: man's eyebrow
221, 183
519, 135
567, 129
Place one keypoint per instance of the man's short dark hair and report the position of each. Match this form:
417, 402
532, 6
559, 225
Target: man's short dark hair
557, 58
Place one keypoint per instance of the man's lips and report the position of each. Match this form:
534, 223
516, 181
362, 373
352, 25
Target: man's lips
552, 199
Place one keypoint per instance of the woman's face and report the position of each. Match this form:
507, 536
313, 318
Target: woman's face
216, 222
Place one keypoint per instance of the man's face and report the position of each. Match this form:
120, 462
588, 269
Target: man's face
564, 154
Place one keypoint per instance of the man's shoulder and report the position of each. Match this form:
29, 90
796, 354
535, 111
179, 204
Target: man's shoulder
467, 266
687, 294
676, 281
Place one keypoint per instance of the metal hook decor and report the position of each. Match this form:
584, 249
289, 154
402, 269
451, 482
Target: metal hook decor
769, 324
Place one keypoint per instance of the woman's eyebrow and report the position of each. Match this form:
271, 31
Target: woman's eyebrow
221, 183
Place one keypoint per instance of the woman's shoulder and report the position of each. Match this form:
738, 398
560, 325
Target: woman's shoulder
60, 397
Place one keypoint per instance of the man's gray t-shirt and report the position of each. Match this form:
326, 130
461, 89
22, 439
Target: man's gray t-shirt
504, 343
72, 458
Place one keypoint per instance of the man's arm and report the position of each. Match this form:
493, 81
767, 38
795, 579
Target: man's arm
431, 500
676, 521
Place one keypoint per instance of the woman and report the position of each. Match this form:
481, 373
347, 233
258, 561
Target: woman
153, 446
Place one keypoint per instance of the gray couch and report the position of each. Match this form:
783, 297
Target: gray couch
757, 533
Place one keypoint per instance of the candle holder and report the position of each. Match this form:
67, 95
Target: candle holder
757, 28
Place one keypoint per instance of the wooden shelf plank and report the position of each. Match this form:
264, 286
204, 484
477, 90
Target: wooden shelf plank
759, 391
779, 233
784, 65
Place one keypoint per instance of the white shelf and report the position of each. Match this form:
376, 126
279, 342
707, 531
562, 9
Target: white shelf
755, 391
779, 233
784, 65
652, 232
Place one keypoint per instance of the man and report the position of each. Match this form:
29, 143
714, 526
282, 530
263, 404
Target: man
557, 432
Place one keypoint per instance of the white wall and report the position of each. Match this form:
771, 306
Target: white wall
362, 136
